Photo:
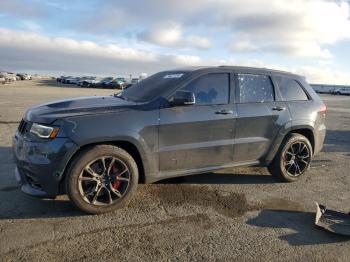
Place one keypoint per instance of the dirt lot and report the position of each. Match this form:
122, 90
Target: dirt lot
236, 214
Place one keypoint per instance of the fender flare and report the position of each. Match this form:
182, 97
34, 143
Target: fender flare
289, 127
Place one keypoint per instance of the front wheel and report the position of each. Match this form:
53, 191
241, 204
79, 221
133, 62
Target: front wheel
102, 179
293, 158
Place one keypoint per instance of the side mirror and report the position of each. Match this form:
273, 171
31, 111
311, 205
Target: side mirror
183, 98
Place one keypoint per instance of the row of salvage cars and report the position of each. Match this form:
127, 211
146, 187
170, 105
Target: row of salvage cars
6, 77
97, 82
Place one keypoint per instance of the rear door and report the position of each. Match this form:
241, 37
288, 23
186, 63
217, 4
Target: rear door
200, 135
259, 116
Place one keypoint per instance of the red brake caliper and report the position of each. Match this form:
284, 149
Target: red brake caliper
116, 183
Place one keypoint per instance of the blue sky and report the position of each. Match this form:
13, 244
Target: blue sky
309, 37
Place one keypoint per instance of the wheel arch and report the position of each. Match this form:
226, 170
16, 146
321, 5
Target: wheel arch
127, 145
305, 130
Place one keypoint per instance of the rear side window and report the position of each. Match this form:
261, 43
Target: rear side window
255, 88
211, 89
291, 89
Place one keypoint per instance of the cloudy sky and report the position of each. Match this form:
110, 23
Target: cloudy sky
310, 37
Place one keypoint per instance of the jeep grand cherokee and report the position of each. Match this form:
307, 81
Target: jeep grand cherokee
174, 123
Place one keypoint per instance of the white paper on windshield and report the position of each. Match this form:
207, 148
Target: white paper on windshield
173, 76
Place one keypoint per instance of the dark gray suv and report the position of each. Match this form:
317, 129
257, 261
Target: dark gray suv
174, 123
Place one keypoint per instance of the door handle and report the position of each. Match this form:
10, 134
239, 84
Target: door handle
278, 108
224, 112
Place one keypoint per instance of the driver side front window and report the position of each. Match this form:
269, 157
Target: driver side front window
211, 89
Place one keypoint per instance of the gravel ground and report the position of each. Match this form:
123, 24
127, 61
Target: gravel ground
233, 214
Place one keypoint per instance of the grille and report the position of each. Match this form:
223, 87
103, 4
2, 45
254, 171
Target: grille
22, 127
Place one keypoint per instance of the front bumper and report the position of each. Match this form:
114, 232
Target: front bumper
40, 165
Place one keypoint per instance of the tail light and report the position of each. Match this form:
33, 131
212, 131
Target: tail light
323, 109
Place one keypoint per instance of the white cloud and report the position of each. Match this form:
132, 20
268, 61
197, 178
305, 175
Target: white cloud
198, 42
187, 60
298, 28
165, 34
108, 20
30, 51
58, 45
21, 51
170, 34
324, 75
243, 46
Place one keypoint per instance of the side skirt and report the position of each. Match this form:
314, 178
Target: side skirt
178, 173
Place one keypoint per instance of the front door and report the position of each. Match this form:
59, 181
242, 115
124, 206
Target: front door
200, 135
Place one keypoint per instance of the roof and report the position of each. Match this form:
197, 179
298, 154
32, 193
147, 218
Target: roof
236, 68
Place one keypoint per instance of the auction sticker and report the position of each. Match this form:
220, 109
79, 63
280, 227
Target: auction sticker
173, 76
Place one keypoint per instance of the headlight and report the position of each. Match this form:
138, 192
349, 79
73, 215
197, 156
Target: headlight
44, 131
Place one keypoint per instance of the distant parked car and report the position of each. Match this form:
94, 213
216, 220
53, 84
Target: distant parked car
82, 79
2, 80
89, 81
64, 79
103, 83
23, 76
10, 77
119, 84
59, 79
72, 80
26, 76
121, 79
20, 76
134, 81
342, 91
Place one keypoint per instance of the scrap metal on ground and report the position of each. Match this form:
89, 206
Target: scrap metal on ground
332, 221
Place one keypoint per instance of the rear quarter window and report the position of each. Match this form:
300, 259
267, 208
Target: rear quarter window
290, 89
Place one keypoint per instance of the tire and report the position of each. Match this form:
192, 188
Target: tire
284, 167
79, 182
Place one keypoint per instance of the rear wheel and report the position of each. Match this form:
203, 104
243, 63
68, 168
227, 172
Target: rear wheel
293, 158
102, 179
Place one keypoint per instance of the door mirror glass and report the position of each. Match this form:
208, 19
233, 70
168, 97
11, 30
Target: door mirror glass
183, 98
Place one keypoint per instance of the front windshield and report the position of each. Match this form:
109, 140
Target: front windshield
152, 86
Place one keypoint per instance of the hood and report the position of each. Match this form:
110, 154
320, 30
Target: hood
50, 112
